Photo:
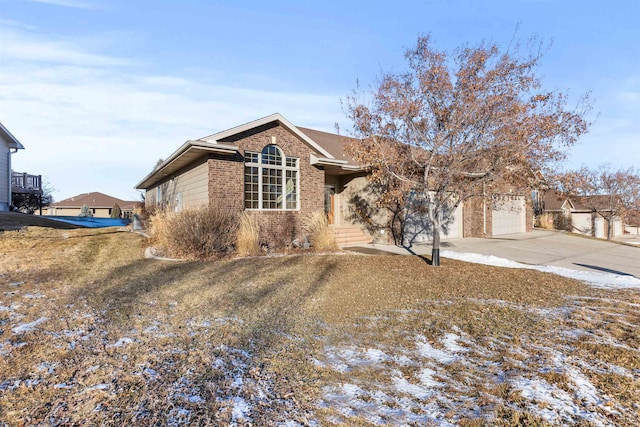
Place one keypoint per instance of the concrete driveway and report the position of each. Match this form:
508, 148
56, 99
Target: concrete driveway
544, 248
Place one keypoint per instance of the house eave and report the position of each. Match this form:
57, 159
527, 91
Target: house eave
187, 153
8, 136
334, 166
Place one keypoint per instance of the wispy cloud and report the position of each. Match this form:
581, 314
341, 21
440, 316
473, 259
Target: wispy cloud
68, 3
16, 24
89, 124
18, 46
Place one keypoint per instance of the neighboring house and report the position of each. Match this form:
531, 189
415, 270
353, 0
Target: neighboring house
632, 222
587, 214
555, 211
100, 205
283, 173
590, 217
554, 202
8, 145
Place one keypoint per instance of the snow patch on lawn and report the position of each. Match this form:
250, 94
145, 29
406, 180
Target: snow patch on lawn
348, 358
399, 394
26, 327
121, 342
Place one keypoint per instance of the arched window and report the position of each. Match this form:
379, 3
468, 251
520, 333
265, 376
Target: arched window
270, 180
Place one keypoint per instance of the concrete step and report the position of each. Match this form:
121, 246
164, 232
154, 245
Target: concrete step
350, 235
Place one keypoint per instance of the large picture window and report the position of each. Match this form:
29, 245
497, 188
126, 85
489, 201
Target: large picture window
270, 180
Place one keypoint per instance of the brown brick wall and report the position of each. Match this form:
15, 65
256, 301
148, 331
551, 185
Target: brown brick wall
226, 182
472, 217
226, 178
529, 212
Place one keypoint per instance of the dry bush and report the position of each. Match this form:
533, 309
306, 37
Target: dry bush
248, 237
194, 233
554, 221
544, 221
320, 236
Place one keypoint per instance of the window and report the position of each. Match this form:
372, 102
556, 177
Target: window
270, 180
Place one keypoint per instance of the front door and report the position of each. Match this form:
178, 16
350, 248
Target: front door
329, 195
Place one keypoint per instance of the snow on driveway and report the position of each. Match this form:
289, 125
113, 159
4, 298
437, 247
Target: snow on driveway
597, 279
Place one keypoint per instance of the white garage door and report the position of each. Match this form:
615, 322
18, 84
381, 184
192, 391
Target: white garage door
454, 228
509, 215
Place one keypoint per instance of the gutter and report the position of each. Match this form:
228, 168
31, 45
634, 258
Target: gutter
325, 161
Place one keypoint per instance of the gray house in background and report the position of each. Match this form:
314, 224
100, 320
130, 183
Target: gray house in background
8, 145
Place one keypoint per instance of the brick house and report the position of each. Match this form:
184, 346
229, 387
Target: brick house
283, 173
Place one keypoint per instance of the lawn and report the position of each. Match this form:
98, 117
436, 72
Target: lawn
91, 332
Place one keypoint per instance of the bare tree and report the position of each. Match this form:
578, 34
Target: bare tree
459, 125
30, 202
607, 192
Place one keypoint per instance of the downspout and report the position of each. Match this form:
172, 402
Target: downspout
15, 150
484, 211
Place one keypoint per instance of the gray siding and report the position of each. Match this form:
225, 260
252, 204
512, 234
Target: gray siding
5, 171
189, 188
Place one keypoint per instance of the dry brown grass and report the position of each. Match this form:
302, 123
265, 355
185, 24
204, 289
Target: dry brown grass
194, 328
248, 238
320, 236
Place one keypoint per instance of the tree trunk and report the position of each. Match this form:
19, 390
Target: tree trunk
434, 217
435, 251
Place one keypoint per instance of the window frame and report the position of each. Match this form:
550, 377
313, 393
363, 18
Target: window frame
264, 160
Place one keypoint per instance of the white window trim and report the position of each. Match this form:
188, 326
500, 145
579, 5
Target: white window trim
283, 167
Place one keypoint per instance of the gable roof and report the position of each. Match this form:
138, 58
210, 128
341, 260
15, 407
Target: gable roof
94, 200
11, 140
333, 143
588, 203
554, 201
327, 145
633, 217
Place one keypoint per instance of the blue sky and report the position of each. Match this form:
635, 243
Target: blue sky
99, 90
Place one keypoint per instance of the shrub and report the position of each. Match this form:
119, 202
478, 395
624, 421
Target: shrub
563, 223
554, 221
116, 212
320, 236
85, 211
194, 233
248, 237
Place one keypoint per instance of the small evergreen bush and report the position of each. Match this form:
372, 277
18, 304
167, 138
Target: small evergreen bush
85, 211
116, 212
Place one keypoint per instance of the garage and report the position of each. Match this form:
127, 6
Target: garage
509, 214
454, 228
418, 229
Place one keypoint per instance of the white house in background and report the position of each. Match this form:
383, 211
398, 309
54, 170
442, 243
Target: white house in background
8, 145
588, 217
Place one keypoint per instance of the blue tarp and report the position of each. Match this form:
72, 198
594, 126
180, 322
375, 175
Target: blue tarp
90, 222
